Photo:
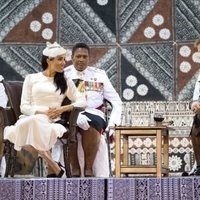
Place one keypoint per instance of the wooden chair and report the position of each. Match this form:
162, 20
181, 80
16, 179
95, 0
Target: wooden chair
10, 115
107, 108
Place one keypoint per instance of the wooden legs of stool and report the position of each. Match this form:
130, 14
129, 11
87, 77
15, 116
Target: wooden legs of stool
66, 146
10, 156
76, 171
66, 158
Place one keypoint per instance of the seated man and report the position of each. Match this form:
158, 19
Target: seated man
195, 132
92, 122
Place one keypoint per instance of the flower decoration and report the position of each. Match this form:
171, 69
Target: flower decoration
131, 81
47, 33
185, 67
102, 2
175, 163
158, 20
142, 90
185, 51
164, 33
149, 32
184, 142
138, 142
147, 142
128, 94
175, 142
47, 18
35, 26
196, 57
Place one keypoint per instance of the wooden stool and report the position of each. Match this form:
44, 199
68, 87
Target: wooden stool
161, 134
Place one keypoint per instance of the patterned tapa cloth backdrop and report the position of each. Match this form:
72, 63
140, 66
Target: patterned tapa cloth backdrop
145, 46
98, 189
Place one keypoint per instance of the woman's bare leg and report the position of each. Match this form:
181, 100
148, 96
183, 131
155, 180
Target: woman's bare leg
51, 163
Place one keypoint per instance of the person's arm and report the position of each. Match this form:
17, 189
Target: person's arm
3, 96
112, 96
196, 93
26, 107
195, 106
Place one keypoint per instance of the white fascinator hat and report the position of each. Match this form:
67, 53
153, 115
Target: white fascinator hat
53, 50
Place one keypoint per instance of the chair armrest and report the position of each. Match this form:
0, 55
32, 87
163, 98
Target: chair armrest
3, 123
73, 115
3, 116
7, 116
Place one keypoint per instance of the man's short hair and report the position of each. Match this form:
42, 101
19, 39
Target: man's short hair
80, 45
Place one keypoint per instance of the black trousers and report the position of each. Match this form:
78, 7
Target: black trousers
195, 137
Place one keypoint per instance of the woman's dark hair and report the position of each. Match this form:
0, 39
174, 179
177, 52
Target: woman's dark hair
80, 45
59, 78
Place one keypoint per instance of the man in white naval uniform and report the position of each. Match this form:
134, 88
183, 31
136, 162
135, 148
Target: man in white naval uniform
195, 131
91, 122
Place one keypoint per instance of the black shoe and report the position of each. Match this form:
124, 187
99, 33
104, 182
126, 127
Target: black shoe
185, 174
197, 171
59, 164
60, 173
51, 175
55, 175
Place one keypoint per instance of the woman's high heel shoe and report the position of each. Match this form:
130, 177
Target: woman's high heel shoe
61, 170
51, 176
60, 165
60, 173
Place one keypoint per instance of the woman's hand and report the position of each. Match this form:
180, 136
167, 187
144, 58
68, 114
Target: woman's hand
56, 112
53, 113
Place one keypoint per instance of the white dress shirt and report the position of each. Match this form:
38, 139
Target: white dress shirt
98, 87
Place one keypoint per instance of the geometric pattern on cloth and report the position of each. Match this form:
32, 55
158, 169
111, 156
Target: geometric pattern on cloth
149, 65
97, 189
23, 59
78, 17
13, 12
153, 188
46, 189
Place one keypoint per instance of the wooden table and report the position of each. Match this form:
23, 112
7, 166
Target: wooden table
161, 134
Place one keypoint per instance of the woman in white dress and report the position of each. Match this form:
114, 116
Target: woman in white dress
41, 99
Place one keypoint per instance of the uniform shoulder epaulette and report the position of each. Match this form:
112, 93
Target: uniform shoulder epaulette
67, 69
97, 69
